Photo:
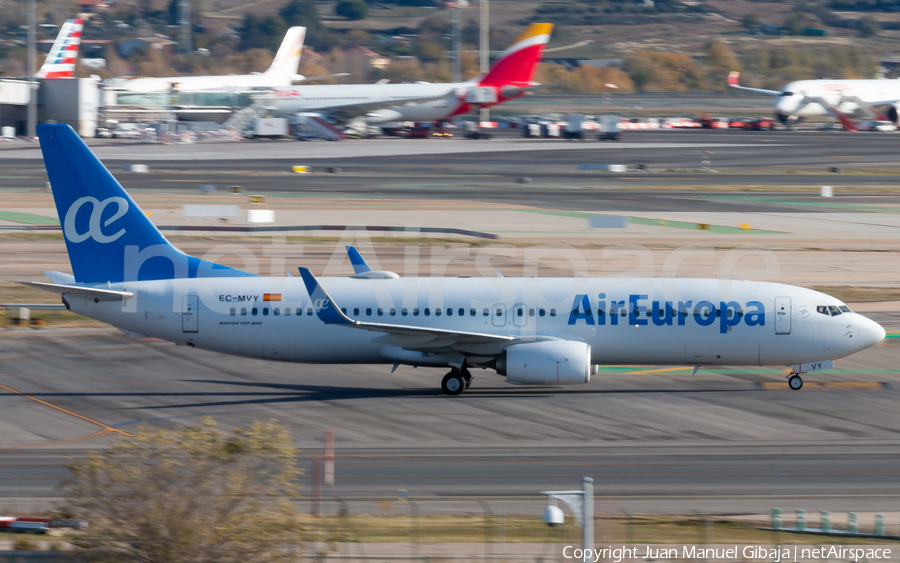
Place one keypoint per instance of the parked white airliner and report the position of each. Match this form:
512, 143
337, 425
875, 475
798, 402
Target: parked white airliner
538, 331
511, 75
873, 98
281, 73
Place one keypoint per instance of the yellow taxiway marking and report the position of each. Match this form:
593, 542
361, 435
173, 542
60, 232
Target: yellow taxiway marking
106, 428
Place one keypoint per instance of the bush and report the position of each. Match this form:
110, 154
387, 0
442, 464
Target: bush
352, 9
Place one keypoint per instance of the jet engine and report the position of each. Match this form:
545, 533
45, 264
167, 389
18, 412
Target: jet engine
893, 113
553, 362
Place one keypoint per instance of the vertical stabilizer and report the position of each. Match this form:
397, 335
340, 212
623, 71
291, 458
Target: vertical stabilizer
516, 65
108, 237
287, 59
60, 63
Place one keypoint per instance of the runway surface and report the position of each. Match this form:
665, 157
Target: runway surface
655, 439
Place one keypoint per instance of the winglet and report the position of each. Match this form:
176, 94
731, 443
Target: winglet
358, 262
327, 310
733, 78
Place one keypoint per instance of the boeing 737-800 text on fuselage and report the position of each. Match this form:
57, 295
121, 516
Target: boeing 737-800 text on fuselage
541, 331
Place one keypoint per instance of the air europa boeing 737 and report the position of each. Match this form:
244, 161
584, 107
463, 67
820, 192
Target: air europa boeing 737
539, 331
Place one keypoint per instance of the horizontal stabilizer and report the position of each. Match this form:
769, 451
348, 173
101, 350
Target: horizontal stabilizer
733, 83
80, 291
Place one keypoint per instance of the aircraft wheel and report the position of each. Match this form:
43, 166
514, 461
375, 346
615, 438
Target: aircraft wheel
453, 383
795, 383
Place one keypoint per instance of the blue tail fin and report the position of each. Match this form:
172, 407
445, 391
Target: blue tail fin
357, 261
108, 237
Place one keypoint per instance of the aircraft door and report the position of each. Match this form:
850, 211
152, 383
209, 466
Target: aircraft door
190, 305
520, 314
782, 315
498, 314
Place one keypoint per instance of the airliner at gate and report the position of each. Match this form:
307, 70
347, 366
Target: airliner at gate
533, 331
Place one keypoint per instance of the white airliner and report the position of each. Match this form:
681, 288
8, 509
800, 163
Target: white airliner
876, 99
281, 73
510, 76
535, 331
60, 62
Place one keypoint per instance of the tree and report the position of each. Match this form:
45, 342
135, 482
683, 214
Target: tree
794, 23
188, 495
301, 12
868, 27
352, 9
750, 22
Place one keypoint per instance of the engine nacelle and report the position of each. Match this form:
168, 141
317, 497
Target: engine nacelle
893, 113
554, 362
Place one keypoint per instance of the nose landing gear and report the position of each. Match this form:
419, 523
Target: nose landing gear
455, 382
794, 382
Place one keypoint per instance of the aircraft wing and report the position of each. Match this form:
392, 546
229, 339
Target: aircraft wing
733, 83
80, 291
298, 78
410, 337
344, 113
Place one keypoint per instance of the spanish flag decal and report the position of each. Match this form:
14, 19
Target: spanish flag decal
271, 297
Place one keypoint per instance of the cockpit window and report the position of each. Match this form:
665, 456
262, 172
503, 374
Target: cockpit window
845, 309
787, 94
834, 311
823, 309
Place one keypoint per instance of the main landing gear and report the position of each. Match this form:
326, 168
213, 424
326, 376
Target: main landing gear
457, 381
794, 381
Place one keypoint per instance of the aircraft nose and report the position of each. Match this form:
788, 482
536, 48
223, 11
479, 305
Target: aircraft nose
870, 333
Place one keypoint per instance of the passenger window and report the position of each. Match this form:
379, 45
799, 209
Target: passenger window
519, 312
380, 312
368, 311
462, 312
287, 311
416, 312
427, 311
834, 311
231, 312
542, 312
403, 311
309, 311
276, 311
344, 310
499, 312
254, 311
472, 312
823, 309
243, 311
600, 313
530, 312
552, 312
486, 313
437, 313
356, 310
265, 311
393, 312
449, 312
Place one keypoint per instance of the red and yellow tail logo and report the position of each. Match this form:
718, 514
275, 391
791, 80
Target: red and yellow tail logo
516, 65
